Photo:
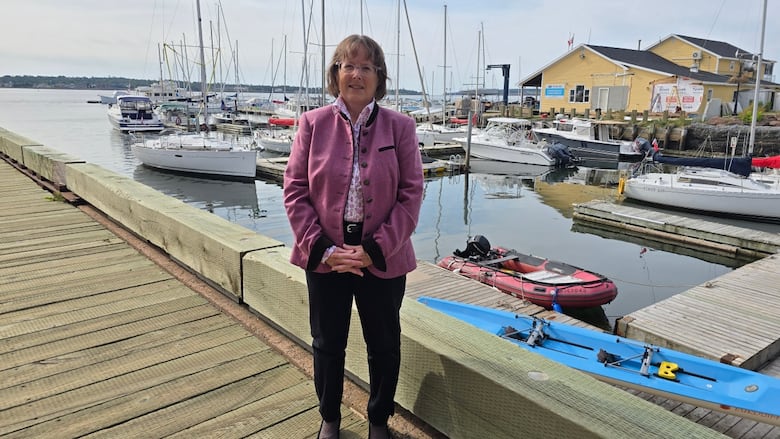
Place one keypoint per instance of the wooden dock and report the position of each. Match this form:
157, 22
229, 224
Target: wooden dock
98, 338
730, 241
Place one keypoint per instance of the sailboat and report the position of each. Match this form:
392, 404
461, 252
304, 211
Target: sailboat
197, 153
719, 186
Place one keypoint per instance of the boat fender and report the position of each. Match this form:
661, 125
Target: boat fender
178, 120
621, 185
667, 370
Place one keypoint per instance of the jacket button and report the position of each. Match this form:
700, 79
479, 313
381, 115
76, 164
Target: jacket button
364, 150
365, 182
369, 200
365, 133
364, 165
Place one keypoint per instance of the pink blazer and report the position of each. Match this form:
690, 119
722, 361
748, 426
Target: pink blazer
317, 178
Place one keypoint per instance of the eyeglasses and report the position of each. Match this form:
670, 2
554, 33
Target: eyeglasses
366, 69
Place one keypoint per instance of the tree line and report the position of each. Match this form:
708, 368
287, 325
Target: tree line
116, 83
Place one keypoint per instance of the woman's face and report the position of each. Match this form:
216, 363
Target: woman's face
357, 80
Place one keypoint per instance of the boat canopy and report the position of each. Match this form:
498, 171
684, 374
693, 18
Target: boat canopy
738, 165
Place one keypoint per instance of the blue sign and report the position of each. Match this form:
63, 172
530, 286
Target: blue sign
555, 91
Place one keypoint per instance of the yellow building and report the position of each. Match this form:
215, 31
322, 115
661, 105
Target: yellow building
677, 73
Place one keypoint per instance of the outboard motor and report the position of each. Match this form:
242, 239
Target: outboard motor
477, 247
561, 154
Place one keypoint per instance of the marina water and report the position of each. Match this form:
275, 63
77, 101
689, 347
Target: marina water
505, 209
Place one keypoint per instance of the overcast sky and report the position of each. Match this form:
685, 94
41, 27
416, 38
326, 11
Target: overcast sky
121, 38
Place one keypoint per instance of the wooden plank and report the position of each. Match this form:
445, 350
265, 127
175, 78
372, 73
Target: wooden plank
192, 413
64, 313
101, 404
21, 286
43, 350
22, 258
65, 381
33, 243
102, 353
117, 255
64, 288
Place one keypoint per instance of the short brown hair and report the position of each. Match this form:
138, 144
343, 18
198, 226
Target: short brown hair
348, 47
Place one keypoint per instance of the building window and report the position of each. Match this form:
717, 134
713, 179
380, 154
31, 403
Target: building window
579, 94
732, 66
709, 94
768, 69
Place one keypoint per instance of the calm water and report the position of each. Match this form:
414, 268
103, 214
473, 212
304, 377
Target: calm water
507, 210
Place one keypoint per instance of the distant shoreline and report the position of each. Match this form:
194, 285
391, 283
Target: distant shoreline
115, 83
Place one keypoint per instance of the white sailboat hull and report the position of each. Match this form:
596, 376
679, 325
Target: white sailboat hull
280, 144
708, 190
219, 161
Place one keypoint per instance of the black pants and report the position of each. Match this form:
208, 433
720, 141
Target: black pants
378, 304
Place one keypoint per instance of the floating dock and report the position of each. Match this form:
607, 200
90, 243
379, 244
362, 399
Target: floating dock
733, 318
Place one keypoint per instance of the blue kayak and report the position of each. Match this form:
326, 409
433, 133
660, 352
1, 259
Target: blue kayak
630, 363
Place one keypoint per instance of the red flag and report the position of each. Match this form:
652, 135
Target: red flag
571, 41
655, 144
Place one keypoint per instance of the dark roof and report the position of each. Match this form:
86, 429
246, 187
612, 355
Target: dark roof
719, 48
650, 61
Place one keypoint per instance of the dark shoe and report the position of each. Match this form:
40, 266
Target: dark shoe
329, 430
378, 432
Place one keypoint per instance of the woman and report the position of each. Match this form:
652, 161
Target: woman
352, 190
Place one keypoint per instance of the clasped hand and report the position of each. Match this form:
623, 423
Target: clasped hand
349, 259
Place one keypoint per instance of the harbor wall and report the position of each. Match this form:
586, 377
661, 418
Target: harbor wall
464, 382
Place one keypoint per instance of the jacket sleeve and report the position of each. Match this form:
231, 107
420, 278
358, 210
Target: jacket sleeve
302, 216
395, 233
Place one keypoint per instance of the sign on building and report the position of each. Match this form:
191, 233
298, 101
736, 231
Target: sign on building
683, 94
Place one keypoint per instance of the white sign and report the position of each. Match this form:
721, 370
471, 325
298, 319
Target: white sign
685, 95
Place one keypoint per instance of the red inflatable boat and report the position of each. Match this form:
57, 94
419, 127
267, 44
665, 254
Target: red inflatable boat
537, 280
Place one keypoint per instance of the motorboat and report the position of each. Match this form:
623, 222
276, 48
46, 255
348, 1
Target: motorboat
510, 139
109, 100
196, 153
428, 134
629, 363
590, 138
133, 113
538, 280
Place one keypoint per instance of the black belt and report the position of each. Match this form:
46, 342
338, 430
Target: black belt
353, 233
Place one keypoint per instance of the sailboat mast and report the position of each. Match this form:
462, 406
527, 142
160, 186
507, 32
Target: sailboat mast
202, 66
754, 118
417, 62
476, 87
398, 58
444, 98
